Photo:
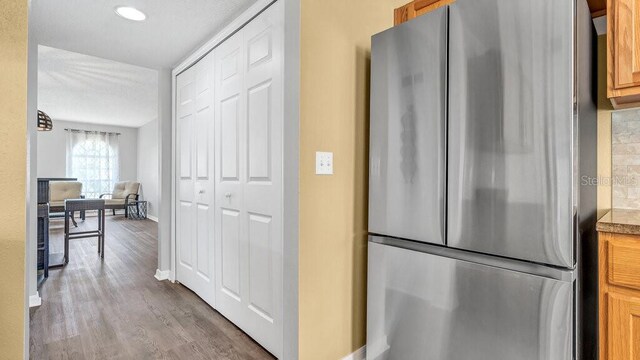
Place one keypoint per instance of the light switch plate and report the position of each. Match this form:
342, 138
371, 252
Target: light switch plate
324, 163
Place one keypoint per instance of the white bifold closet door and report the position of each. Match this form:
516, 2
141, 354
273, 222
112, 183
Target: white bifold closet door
195, 183
248, 204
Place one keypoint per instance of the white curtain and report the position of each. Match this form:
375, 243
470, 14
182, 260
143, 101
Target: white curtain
92, 157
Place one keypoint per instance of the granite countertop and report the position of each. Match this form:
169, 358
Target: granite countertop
620, 221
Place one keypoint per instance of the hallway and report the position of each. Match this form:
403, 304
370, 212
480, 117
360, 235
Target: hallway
116, 309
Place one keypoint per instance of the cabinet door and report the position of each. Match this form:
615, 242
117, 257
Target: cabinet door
626, 43
417, 8
624, 327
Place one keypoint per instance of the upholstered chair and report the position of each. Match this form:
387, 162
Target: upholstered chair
123, 193
59, 191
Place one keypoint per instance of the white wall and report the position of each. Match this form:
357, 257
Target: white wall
32, 187
164, 169
52, 148
148, 165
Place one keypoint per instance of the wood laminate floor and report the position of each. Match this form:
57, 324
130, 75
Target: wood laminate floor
116, 309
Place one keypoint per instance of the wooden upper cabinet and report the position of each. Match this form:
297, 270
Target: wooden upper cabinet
417, 8
623, 52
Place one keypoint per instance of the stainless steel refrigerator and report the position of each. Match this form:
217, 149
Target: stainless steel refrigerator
482, 206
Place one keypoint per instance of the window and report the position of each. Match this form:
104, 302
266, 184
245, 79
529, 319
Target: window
92, 158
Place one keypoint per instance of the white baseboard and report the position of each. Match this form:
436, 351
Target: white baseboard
152, 218
360, 354
35, 300
162, 274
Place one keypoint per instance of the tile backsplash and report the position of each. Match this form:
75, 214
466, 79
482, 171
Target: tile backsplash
625, 152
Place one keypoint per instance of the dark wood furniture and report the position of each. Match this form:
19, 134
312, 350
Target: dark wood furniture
46, 260
43, 243
72, 205
53, 259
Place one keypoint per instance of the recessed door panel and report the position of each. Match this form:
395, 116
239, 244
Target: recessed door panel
231, 253
259, 126
229, 117
203, 136
229, 65
205, 243
260, 48
260, 266
186, 214
184, 128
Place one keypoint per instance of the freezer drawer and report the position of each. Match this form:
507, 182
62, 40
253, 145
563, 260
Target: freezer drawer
407, 139
426, 306
511, 129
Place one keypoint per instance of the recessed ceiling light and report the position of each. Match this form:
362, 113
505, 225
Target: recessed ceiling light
130, 13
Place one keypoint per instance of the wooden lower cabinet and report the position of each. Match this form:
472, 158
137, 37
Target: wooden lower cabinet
623, 327
619, 282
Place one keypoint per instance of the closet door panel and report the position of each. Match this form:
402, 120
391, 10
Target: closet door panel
194, 147
204, 251
263, 165
185, 115
231, 245
249, 120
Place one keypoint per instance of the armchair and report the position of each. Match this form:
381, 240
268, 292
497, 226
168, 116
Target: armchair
59, 191
123, 193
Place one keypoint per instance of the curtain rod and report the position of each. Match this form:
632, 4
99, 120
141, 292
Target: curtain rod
92, 131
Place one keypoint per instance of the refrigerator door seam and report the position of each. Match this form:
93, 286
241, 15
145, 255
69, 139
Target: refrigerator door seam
546, 271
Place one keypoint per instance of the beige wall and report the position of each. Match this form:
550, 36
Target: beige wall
334, 77
13, 169
604, 131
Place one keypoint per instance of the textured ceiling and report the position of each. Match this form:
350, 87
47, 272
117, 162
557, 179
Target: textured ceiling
89, 89
172, 30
